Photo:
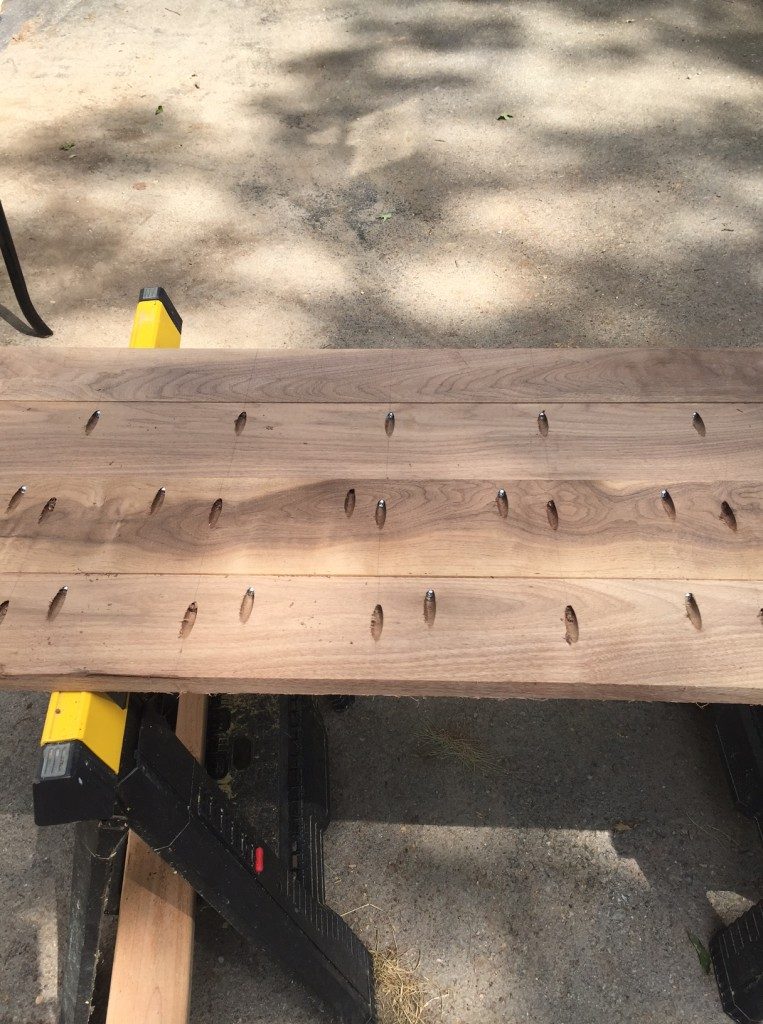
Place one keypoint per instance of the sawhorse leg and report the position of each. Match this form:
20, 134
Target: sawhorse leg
99, 856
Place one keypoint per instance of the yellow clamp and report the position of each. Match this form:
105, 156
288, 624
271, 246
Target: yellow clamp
92, 718
157, 323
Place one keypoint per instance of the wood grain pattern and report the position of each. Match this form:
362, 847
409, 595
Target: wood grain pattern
581, 441
313, 630
378, 375
458, 442
435, 527
153, 956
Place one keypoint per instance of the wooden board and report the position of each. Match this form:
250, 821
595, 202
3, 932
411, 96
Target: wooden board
449, 442
487, 634
204, 474
438, 527
153, 955
378, 375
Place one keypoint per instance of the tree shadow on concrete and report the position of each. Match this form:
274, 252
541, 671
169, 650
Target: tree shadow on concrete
521, 876
615, 206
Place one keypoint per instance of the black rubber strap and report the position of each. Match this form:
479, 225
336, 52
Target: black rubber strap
18, 283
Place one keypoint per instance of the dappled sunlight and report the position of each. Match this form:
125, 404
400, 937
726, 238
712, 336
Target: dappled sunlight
42, 921
29, 941
293, 270
552, 874
341, 177
457, 287
385, 137
514, 898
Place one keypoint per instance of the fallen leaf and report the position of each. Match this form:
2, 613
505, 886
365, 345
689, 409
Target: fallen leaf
705, 960
159, 110
67, 146
384, 216
504, 117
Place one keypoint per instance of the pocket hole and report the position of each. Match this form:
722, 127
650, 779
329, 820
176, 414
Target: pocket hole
240, 423
727, 515
47, 508
552, 514
377, 622
57, 603
92, 423
4, 609
158, 501
668, 504
389, 424
699, 424
188, 620
214, 512
349, 502
692, 611
16, 498
572, 630
247, 603
502, 501
430, 608
380, 515
543, 423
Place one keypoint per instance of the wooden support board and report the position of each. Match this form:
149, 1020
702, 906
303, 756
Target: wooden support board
153, 956
514, 484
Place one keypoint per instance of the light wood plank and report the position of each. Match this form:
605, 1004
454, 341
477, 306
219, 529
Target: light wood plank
489, 634
378, 375
153, 956
435, 527
171, 440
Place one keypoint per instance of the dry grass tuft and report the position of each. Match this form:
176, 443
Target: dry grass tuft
448, 745
400, 992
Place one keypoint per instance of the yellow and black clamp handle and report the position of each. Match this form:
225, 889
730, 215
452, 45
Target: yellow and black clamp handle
102, 760
157, 323
83, 752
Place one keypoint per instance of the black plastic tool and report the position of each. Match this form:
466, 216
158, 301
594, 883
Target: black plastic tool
265, 876
18, 283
